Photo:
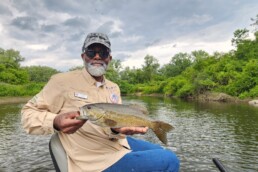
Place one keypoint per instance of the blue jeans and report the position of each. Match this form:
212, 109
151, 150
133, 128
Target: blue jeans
146, 157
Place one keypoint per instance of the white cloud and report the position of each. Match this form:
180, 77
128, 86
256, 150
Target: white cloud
37, 46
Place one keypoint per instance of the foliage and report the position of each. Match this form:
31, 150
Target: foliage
10, 58
179, 86
113, 71
177, 65
239, 36
125, 87
76, 68
10, 71
40, 73
187, 74
28, 89
150, 68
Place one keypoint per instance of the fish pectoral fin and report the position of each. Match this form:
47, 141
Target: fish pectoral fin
110, 122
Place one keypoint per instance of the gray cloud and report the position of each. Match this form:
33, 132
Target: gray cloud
30, 8
75, 22
25, 23
4, 10
108, 29
49, 28
121, 56
131, 25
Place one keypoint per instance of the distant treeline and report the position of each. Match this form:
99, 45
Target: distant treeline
186, 75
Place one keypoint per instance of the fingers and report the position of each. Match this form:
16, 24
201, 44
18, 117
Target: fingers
72, 115
132, 130
67, 123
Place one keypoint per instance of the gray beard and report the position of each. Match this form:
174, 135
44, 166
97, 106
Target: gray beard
95, 70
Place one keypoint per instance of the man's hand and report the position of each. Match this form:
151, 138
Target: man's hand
131, 130
67, 123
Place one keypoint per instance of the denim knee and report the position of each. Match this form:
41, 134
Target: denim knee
172, 162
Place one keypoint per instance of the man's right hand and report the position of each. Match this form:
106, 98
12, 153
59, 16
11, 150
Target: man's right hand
67, 122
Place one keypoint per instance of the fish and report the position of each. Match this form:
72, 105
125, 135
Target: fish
122, 115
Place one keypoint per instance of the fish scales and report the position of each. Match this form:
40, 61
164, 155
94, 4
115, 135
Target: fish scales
128, 120
119, 115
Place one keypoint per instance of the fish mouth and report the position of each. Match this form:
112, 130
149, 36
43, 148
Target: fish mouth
87, 115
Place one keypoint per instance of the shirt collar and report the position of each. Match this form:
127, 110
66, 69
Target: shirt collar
91, 80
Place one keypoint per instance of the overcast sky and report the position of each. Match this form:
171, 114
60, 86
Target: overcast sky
51, 32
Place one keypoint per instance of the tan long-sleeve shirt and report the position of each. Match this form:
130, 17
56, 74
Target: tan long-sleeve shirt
90, 148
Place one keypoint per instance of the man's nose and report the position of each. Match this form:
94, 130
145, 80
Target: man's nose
97, 56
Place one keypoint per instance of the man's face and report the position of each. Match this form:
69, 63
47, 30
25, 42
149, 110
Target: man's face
96, 59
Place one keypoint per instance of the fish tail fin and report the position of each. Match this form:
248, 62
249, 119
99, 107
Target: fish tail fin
160, 129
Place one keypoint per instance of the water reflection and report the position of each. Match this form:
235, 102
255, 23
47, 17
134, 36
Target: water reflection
207, 130
202, 131
19, 151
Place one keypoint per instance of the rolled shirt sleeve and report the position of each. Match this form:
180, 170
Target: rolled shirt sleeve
39, 113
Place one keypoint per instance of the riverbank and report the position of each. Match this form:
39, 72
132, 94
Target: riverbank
7, 100
211, 97
206, 97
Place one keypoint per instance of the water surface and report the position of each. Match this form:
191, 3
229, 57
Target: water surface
202, 131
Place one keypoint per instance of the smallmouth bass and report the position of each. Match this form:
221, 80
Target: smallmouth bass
119, 115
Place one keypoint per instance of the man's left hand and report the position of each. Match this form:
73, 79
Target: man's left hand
131, 130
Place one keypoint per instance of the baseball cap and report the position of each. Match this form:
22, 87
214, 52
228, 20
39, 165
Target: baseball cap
92, 38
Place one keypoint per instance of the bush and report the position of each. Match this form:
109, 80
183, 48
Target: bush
179, 86
20, 90
125, 87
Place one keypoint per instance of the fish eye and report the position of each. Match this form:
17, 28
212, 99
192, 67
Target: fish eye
88, 107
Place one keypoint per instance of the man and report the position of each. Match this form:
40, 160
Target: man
88, 146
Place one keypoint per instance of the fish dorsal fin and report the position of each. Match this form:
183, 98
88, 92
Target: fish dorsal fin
141, 108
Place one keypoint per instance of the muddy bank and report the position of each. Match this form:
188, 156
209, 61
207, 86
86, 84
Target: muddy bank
7, 100
219, 97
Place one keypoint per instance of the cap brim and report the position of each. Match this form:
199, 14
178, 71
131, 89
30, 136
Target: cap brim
97, 42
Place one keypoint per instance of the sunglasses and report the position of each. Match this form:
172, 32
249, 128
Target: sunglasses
102, 53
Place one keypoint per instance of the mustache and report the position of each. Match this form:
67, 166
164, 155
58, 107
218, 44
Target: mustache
98, 62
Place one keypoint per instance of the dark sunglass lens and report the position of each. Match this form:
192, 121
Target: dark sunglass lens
90, 53
103, 54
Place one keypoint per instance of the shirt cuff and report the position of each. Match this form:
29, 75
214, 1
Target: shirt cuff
49, 123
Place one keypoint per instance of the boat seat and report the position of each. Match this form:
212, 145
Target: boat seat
58, 154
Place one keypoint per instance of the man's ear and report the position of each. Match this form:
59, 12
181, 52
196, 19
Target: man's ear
110, 57
82, 55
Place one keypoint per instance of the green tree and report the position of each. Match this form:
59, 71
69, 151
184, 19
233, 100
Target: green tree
255, 23
10, 58
40, 73
10, 71
113, 71
177, 65
150, 68
239, 36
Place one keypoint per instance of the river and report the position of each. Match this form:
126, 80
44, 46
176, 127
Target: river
202, 131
